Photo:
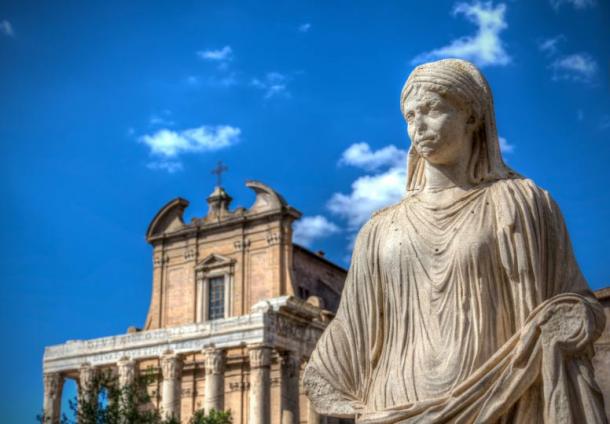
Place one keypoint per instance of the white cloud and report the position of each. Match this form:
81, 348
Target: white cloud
161, 119
577, 4
549, 45
6, 28
305, 27
361, 156
169, 144
575, 67
273, 84
483, 48
221, 55
369, 193
505, 146
312, 228
165, 165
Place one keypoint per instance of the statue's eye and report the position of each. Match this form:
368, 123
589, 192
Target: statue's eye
410, 116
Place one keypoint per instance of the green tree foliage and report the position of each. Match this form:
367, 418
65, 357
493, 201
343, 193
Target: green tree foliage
126, 405
214, 417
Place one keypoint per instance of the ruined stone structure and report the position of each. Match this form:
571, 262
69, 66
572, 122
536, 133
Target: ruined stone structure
236, 310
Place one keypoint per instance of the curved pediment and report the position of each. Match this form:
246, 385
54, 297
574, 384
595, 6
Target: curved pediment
266, 198
168, 219
214, 261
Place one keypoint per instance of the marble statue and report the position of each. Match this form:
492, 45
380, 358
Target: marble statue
464, 302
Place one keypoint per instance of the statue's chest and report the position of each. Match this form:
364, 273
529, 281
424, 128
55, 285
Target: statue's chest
432, 243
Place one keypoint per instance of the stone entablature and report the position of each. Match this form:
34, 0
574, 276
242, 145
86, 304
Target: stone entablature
285, 323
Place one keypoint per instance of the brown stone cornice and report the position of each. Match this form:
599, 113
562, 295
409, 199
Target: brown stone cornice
198, 226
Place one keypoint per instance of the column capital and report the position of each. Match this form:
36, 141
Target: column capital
86, 375
52, 384
260, 355
214, 360
171, 366
126, 370
171, 369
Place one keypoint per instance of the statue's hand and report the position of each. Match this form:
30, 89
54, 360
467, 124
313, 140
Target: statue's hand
567, 326
327, 400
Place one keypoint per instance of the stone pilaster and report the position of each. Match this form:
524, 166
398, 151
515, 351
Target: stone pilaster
214, 379
289, 388
260, 384
87, 390
171, 369
53, 385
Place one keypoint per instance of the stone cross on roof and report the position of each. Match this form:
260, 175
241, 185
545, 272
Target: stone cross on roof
218, 171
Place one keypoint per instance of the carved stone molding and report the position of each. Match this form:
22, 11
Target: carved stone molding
190, 254
239, 386
241, 245
285, 327
260, 356
171, 366
214, 360
160, 260
273, 238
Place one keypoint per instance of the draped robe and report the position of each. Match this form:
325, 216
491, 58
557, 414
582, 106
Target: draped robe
470, 311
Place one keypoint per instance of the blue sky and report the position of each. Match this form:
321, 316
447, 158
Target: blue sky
111, 109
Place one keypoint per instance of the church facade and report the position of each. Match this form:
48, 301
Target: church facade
235, 311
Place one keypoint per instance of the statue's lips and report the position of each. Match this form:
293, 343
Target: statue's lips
425, 142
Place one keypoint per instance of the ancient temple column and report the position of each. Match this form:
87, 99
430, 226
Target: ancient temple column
127, 373
260, 384
289, 388
214, 379
53, 385
87, 390
171, 369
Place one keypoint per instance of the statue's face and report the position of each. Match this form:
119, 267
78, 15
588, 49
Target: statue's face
439, 130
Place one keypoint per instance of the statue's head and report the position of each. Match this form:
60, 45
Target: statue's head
448, 107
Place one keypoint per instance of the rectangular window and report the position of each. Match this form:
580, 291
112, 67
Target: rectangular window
216, 298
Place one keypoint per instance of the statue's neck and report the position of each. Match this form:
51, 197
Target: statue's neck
444, 176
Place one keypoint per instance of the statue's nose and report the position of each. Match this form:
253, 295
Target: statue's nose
420, 126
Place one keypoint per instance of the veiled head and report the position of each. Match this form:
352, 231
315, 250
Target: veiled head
458, 85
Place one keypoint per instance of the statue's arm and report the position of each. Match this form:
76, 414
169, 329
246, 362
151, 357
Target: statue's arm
338, 373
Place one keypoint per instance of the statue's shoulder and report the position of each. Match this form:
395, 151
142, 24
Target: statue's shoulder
384, 212
518, 185
518, 195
